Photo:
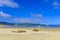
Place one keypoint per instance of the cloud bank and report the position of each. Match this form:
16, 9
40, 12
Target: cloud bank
26, 20
36, 18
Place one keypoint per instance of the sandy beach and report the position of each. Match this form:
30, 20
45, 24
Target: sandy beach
43, 34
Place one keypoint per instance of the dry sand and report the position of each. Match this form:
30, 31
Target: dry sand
43, 34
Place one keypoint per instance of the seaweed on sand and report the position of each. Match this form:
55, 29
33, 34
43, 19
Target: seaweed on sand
19, 31
36, 30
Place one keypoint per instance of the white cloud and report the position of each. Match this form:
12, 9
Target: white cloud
35, 18
56, 4
26, 20
4, 15
9, 3
37, 15
22, 20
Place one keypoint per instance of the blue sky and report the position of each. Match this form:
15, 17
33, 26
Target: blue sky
30, 11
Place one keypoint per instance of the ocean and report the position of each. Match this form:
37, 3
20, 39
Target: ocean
27, 26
